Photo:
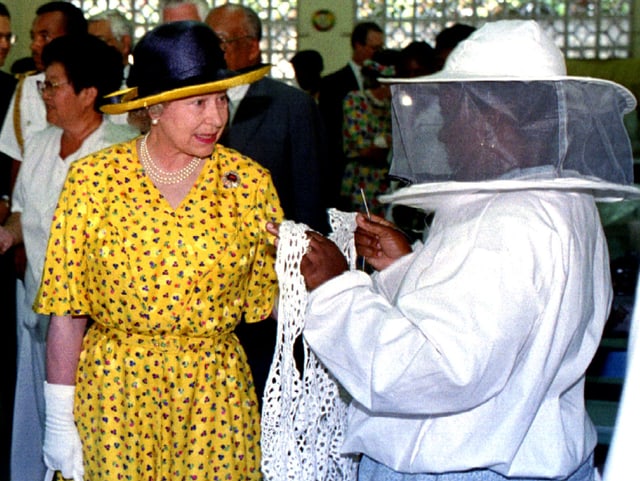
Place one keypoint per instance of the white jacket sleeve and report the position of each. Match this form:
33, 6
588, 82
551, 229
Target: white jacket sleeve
451, 337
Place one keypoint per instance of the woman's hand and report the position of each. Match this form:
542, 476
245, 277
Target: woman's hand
379, 241
322, 262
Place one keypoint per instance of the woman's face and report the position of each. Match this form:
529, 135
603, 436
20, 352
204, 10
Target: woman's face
64, 107
193, 125
483, 129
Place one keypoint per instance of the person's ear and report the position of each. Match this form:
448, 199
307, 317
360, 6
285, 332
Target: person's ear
254, 51
126, 45
154, 112
89, 95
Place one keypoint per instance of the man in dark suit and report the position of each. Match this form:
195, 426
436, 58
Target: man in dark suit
7, 86
366, 39
280, 127
7, 272
273, 123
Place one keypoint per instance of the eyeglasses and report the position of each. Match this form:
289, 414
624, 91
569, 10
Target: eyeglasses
226, 41
50, 87
10, 38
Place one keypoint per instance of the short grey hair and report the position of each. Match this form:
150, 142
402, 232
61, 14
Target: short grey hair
251, 20
201, 5
120, 26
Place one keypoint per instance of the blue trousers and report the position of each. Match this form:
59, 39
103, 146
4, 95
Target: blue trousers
371, 470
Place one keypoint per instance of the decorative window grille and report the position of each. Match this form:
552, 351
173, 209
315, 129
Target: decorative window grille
582, 28
279, 24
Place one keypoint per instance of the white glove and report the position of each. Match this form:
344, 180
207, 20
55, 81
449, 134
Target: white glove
62, 447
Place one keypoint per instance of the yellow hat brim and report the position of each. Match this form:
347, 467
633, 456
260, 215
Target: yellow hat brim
129, 101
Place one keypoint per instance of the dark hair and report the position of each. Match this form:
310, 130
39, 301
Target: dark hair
74, 21
422, 54
4, 11
451, 36
361, 30
308, 66
23, 65
308, 60
88, 62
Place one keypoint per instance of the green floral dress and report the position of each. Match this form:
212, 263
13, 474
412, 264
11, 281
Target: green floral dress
163, 389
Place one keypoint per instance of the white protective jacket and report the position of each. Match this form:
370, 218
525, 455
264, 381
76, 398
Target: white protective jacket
471, 352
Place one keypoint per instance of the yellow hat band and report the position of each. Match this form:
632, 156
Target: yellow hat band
128, 100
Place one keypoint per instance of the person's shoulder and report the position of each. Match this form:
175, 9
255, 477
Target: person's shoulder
338, 75
533, 210
280, 88
282, 93
40, 142
115, 133
40, 137
106, 158
7, 81
30, 79
231, 160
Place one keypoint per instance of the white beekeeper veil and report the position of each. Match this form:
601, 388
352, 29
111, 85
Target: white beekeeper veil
503, 115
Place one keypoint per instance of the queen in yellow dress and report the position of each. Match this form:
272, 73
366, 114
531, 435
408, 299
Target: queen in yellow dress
157, 251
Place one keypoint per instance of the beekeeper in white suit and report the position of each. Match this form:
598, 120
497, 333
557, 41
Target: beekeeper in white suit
466, 354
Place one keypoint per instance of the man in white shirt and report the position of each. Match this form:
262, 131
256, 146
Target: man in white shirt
53, 20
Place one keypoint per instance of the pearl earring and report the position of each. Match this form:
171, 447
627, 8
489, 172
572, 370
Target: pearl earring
154, 121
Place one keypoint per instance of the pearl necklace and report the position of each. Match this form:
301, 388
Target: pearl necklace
159, 175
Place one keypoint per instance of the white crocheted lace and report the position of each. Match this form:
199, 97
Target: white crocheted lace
303, 416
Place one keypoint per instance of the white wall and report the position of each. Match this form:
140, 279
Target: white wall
334, 45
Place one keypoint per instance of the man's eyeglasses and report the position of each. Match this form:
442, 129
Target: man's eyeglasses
224, 42
10, 38
44, 86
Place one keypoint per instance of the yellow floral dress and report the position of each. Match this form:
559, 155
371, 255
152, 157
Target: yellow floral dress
163, 389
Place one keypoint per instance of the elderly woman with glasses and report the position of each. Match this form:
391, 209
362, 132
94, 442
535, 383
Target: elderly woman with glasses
160, 241
79, 71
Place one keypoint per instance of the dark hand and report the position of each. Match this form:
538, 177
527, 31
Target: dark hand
379, 241
322, 262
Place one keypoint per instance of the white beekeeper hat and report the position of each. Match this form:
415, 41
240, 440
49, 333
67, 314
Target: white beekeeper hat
503, 115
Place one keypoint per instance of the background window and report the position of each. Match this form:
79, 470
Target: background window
279, 24
582, 29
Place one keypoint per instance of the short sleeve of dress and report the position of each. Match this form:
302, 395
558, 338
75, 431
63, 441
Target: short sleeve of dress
262, 287
62, 290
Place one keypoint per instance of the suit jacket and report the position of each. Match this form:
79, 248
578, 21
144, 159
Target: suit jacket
279, 126
333, 89
7, 86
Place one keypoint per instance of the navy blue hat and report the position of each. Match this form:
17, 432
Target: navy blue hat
177, 60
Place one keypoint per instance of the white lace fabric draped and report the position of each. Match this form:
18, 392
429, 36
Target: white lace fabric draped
304, 415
